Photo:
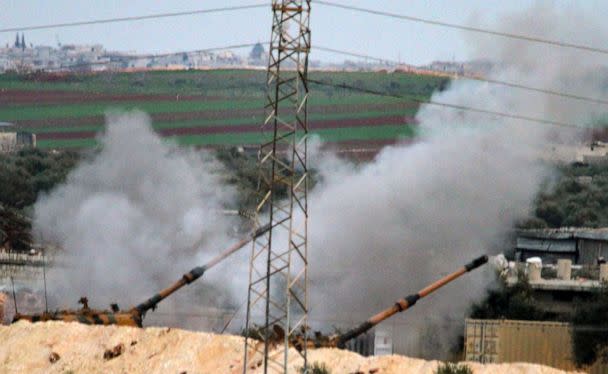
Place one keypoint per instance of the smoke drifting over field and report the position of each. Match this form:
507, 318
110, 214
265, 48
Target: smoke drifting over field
130, 215
384, 230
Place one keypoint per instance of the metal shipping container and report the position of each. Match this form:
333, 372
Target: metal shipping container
546, 343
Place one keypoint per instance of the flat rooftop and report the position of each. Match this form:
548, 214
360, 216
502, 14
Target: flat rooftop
578, 285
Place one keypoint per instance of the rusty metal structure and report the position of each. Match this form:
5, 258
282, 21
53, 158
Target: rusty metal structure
277, 294
134, 316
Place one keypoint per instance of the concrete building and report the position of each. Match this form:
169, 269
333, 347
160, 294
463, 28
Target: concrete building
456, 68
561, 297
558, 289
14, 141
36, 58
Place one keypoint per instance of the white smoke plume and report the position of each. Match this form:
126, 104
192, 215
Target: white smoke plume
383, 230
130, 216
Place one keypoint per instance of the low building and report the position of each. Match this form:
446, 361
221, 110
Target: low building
14, 141
559, 290
561, 297
582, 246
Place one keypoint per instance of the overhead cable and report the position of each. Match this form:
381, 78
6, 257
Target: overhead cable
472, 77
133, 18
448, 105
509, 35
363, 56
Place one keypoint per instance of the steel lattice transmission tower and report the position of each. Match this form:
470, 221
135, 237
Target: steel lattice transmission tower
277, 300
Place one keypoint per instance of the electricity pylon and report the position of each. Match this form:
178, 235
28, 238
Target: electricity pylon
277, 301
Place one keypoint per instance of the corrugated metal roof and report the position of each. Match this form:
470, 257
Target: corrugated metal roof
547, 233
595, 234
566, 233
546, 245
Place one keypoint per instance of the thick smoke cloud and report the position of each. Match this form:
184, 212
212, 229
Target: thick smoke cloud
383, 230
133, 217
548, 66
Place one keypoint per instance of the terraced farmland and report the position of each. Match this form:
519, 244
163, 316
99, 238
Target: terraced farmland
208, 108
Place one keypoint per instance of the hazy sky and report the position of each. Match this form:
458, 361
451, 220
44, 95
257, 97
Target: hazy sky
336, 28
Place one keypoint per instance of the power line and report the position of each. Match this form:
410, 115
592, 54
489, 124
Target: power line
466, 28
358, 55
379, 93
196, 51
385, 94
134, 18
474, 77
448, 105
354, 54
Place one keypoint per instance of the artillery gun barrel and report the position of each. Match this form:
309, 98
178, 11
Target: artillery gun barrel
407, 302
194, 274
133, 317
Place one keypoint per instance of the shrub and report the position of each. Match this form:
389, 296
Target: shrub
567, 202
532, 223
550, 212
511, 302
548, 273
23, 176
316, 368
451, 368
590, 330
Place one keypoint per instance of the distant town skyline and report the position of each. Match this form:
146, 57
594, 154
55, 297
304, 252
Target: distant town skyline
335, 28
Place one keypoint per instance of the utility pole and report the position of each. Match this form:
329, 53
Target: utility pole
277, 307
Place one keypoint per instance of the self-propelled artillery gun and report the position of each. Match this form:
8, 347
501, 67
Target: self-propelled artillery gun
134, 316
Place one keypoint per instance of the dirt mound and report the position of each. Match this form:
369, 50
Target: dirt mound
57, 347
348, 362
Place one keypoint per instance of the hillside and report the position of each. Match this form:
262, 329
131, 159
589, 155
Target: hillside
219, 107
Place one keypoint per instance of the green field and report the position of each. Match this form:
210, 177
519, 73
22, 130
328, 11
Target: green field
220, 83
224, 107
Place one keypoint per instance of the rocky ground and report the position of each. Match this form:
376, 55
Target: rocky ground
57, 347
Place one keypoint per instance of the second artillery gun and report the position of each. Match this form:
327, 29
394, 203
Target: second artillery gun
134, 316
340, 340
406, 302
